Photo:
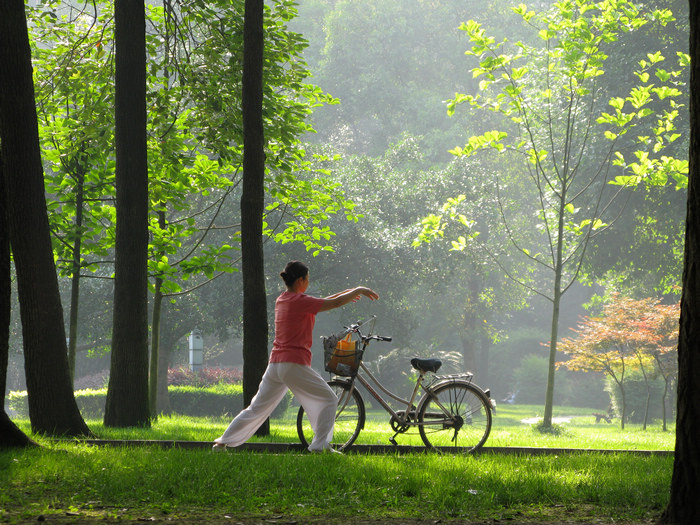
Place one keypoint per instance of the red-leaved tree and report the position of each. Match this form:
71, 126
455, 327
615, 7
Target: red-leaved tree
629, 335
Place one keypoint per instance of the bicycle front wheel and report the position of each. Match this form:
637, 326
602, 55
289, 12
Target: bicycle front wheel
455, 414
349, 417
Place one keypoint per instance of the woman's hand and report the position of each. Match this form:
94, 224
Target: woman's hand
367, 292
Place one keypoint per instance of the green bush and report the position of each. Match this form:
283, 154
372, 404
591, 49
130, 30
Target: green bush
636, 397
91, 403
217, 400
17, 403
583, 389
586, 389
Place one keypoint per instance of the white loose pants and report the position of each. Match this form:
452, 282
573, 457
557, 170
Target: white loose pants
314, 394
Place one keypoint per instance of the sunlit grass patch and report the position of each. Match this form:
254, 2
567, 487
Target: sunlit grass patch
512, 427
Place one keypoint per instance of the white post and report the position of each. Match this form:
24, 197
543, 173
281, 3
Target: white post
196, 350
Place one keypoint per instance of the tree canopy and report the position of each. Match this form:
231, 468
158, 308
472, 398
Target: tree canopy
568, 136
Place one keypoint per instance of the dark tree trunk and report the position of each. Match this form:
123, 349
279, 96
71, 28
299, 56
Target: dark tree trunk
163, 403
154, 364
10, 435
127, 394
75, 278
52, 406
684, 504
255, 331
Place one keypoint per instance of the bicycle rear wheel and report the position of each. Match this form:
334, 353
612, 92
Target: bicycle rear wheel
349, 417
456, 414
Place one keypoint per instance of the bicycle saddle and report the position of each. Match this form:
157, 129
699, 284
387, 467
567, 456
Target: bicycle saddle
426, 365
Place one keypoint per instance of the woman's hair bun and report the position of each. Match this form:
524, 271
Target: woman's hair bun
293, 271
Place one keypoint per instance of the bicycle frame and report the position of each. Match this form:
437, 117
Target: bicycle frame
368, 386
403, 419
446, 409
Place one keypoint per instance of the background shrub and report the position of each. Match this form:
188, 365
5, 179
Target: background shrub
636, 396
578, 389
531, 380
214, 401
207, 376
91, 403
217, 400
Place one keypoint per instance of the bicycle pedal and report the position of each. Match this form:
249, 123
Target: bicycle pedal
393, 442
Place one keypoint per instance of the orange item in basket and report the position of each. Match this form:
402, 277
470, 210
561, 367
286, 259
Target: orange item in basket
344, 359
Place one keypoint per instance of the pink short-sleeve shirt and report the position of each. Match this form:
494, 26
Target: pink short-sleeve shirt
295, 315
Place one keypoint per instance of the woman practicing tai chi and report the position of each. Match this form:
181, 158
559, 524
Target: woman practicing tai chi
290, 363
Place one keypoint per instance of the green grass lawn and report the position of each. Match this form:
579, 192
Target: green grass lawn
512, 427
68, 482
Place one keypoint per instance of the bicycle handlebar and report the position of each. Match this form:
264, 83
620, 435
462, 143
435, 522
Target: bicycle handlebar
355, 327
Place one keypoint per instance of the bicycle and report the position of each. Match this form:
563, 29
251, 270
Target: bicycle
451, 412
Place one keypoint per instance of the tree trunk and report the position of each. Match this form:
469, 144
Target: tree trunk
255, 331
52, 406
558, 265
127, 393
663, 404
10, 435
484, 368
154, 364
154, 368
623, 415
648, 388
469, 352
471, 332
551, 368
684, 504
75, 278
163, 404
170, 333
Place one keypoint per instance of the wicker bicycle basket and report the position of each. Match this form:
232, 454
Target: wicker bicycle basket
342, 357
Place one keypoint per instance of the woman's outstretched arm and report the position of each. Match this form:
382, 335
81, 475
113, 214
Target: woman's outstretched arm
347, 296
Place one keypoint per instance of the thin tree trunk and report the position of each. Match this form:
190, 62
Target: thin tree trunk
255, 330
163, 404
485, 369
155, 348
75, 278
155, 335
558, 265
623, 416
684, 504
664, 396
648, 388
127, 393
52, 406
470, 329
663, 404
554, 334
